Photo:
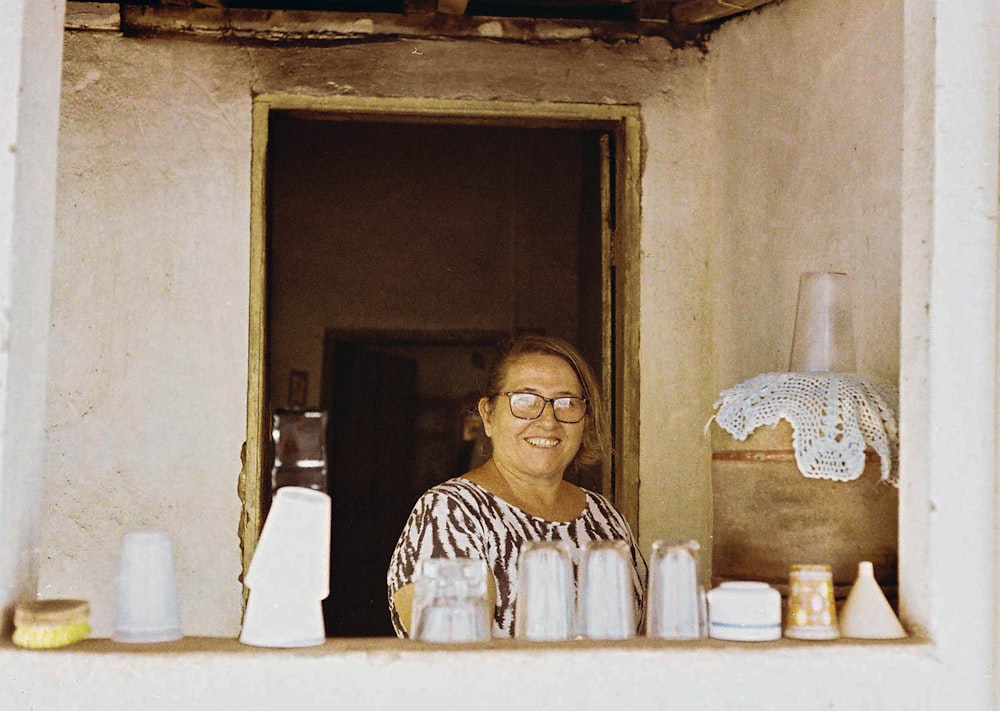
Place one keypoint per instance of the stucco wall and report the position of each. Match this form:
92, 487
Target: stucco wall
149, 321
807, 112
776, 153
803, 114
148, 385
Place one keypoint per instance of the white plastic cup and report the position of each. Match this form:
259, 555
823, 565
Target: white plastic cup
546, 599
147, 608
824, 325
293, 553
284, 621
676, 605
289, 575
607, 599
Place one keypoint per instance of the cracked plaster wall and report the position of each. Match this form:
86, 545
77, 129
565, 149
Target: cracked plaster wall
147, 389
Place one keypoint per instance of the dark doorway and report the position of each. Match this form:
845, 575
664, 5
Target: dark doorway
391, 435
395, 251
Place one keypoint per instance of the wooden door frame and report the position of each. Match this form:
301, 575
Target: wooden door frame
621, 254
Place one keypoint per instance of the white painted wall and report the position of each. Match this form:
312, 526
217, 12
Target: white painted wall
950, 251
147, 399
29, 100
358, 677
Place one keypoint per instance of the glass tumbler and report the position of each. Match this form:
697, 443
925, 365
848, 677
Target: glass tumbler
606, 599
450, 602
676, 599
823, 339
544, 609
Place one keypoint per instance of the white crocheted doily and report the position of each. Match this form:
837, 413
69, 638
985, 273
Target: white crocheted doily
834, 416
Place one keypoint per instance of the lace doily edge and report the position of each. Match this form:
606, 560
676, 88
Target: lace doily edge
888, 472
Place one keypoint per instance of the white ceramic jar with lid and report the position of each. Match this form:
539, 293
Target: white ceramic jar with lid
744, 611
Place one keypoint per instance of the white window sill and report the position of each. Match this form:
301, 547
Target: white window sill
200, 672
396, 647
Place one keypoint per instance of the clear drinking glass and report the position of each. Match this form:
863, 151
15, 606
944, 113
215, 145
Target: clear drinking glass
823, 340
607, 598
676, 599
545, 606
450, 602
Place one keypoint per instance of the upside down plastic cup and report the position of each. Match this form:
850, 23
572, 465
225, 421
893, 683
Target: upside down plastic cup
293, 553
147, 608
676, 607
546, 600
289, 576
607, 600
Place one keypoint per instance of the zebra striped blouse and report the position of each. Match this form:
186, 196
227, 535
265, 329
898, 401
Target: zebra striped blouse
460, 519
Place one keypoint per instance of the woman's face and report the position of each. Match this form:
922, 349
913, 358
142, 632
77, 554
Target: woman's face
542, 447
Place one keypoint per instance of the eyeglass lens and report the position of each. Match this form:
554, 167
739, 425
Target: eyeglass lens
528, 406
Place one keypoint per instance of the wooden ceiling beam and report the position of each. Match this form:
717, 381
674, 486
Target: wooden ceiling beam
336, 27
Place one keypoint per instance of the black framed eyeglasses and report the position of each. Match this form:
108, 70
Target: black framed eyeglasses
529, 406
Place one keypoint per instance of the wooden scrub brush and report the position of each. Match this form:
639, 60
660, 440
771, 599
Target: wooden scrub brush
47, 624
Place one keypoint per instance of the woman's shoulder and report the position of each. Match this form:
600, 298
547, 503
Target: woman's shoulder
599, 506
595, 497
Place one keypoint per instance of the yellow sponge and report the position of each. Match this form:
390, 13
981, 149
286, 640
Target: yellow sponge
47, 624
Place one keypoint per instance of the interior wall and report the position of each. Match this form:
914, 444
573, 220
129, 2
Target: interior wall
803, 159
807, 120
415, 227
148, 374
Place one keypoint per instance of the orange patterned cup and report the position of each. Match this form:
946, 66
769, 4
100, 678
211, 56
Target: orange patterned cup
812, 611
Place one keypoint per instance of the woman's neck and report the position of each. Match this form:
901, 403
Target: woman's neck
549, 498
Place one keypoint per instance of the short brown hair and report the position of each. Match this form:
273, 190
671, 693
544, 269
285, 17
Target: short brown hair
594, 446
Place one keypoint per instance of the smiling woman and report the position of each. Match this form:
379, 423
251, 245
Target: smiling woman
543, 412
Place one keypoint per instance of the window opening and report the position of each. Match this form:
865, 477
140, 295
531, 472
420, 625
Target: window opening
370, 235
